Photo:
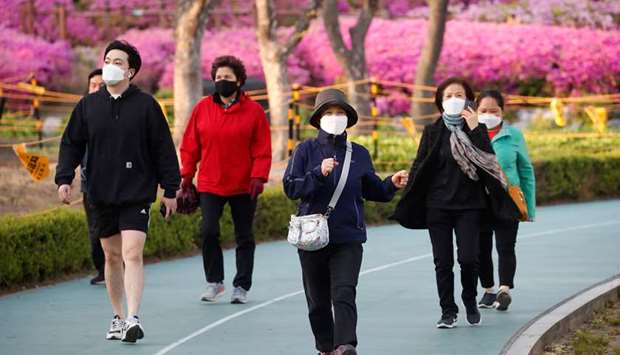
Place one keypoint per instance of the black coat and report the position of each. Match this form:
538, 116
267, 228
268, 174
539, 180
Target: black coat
411, 209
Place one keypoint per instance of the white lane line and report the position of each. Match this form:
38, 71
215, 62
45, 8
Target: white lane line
365, 272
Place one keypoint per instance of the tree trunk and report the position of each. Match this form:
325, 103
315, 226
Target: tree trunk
276, 79
427, 63
352, 60
191, 20
274, 58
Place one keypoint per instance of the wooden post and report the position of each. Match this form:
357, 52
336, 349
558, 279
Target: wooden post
374, 113
62, 21
291, 136
2, 103
28, 17
296, 96
36, 113
162, 13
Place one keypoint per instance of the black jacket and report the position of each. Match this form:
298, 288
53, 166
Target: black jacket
411, 209
130, 149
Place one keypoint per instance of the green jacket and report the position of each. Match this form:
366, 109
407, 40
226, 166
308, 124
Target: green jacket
511, 151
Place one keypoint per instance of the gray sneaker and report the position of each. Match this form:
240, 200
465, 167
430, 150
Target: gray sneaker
239, 296
213, 292
116, 329
346, 350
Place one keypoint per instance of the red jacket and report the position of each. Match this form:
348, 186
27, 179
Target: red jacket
232, 146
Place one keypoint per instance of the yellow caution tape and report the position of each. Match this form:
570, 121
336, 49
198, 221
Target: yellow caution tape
598, 115
557, 108
37, 165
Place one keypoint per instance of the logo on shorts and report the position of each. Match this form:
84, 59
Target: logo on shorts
143, 211
129, 165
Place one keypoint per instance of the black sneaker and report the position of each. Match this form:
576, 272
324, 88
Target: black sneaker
487, 301
447, 321
503, 301
473, 314
98, 280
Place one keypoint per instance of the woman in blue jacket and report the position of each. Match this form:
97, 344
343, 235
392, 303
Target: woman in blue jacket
330, 274
511, 150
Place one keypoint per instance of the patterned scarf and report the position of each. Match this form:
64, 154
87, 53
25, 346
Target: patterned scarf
467, 155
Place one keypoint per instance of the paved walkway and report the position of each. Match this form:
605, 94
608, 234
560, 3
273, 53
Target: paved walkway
569, 248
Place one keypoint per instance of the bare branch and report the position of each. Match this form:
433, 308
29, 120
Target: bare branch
359, 31
301, 27
331, 21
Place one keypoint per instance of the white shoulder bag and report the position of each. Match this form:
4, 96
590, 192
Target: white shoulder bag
311, 232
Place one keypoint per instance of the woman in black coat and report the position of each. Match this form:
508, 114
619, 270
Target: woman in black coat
454, 178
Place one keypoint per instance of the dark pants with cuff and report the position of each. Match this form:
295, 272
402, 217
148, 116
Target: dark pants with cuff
96, 249
442, 223
505, 242
243, 208
330, 277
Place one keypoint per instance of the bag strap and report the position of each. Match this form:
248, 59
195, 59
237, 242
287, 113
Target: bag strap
342, 181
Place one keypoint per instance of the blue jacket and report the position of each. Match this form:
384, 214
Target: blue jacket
303, 180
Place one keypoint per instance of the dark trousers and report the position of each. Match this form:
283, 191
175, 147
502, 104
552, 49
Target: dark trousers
96, 250
505, 241
466, 225
243, 208
330, 278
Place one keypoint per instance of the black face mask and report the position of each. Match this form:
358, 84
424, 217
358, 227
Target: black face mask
226, 88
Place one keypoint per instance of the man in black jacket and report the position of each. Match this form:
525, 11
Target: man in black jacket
130, 152
95, 82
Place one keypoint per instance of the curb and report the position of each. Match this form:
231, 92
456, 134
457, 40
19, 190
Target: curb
562, 318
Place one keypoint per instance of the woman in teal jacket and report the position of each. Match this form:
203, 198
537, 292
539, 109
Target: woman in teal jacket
511, 150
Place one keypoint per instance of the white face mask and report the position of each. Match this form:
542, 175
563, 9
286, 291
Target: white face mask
453, 105
490, 120
112, 74
334, 124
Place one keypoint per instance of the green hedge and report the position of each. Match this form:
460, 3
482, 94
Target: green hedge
43, 246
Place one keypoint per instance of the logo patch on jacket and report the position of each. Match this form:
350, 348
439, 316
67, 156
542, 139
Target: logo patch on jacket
129, 165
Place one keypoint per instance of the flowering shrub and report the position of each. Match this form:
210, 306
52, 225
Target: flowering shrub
603, 14
240, 42
559, 61
45, 21
554, 60
22, 55
156, 47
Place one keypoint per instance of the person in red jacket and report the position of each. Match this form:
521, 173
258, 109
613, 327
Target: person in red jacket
228, 135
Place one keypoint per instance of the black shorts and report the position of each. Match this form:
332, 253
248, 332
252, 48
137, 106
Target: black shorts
111, 220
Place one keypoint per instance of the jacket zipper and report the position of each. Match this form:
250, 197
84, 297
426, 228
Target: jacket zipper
357, 214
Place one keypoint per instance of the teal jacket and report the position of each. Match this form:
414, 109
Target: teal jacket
511, 151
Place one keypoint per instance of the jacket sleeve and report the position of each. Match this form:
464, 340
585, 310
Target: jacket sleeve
261, 148
375, 189
164, 152
527, 178
480, 138
299, 183
423, 151
190, 149
72, 146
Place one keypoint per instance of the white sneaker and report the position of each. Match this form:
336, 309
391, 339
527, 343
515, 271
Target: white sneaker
132, 330
213, 292
239, 296
116, 329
